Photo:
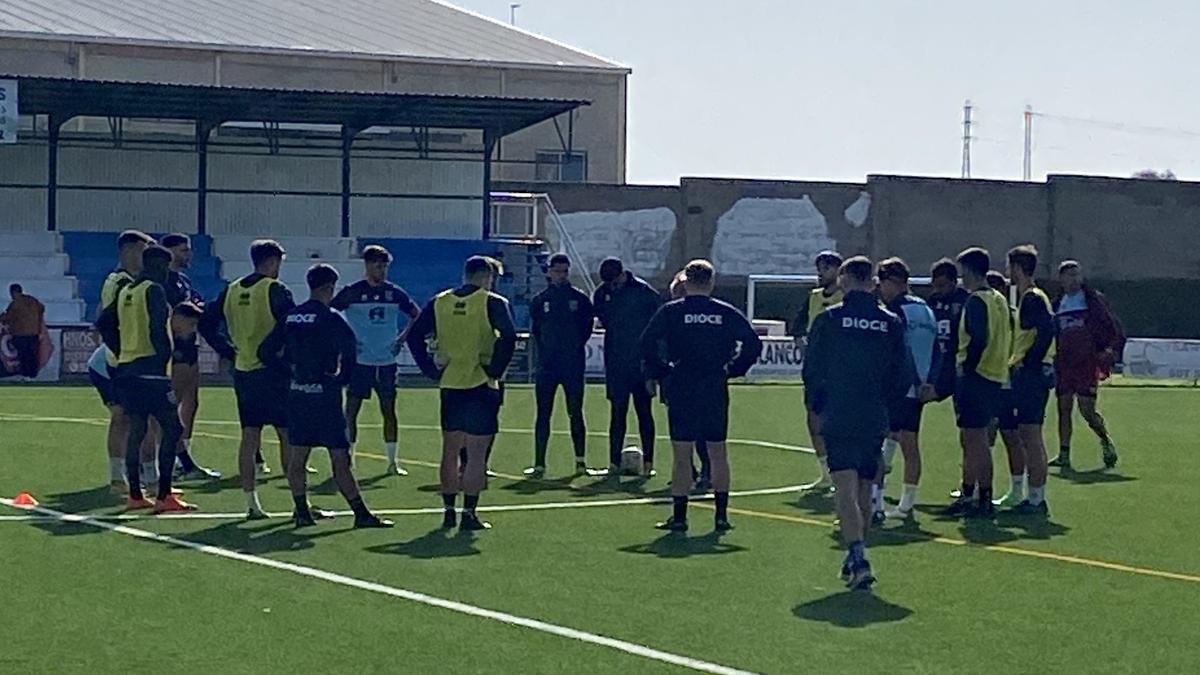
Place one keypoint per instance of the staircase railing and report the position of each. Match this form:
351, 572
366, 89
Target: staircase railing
544, 222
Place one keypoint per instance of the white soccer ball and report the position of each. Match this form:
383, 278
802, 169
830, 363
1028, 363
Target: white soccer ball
632, 461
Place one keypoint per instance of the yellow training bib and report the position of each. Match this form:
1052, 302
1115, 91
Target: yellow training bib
993, 364
133, 313
819, 302
465, 339
1024, 339
250, 320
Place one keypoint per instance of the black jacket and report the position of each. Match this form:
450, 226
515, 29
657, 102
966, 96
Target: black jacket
562, 324
704, 340
624, 313
856, 367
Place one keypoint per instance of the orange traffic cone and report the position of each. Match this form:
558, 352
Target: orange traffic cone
25, 501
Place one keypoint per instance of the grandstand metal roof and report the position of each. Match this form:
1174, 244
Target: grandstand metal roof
420, 30
67, 97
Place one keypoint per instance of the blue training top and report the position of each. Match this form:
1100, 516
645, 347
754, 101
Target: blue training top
375, 314
920, 337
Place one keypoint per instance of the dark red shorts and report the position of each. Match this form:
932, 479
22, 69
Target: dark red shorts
1076, 380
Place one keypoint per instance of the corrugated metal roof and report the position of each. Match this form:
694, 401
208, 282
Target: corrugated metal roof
404, 29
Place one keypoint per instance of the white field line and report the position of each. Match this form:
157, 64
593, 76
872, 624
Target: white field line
412, 596
535, 506
20, 417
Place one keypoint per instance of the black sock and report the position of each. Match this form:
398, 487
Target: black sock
1064, 450
722, 505
469, 503
968, 490
358, 507
985, 495
185, 460
301, 502
258, 458
448, 501
680, 504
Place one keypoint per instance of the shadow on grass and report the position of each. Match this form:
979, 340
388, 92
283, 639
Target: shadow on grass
269, 537
851, 609
814, 503
434, 544
1092, 477
679, 545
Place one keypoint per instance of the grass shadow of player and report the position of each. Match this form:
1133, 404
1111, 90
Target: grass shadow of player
533, 486
851, 609
84, 500
814, 503
908, 532
211, 487
679, 545
1093, 477
1031, 527
986, 531
439, 543
273, 536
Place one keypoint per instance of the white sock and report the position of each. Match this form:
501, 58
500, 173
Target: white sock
876, 498
390, 448
1037, 495
908, 498
890, 446
823, 462
1018, 486
116, 468
149, 472
252, 501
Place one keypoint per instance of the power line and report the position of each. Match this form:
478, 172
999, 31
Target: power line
1120, 126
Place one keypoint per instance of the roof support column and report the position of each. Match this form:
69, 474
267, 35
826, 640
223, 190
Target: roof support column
489, 145
55, 123
203, 131
348, 134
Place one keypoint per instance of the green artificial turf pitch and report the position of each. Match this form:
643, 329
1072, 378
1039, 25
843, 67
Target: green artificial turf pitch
1110, 583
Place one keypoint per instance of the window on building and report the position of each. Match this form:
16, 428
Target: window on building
560, 167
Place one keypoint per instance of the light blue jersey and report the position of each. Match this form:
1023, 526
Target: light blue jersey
920, 336
375, 314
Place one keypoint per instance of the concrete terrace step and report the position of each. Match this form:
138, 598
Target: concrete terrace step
22, 265
16, 243
46, 290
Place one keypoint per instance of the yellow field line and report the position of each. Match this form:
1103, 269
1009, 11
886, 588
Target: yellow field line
816, 522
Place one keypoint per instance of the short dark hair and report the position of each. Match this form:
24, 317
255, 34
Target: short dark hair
610, 269
831, 258
559, 259
175, 239
130, 237
977, 260
1068, 265
944, 268
1024, 256
156, 256
189, 309
478, 264
376, 253
894, 268
320, 275
262, 250
996, 280
699, 272
15, 288
859, 267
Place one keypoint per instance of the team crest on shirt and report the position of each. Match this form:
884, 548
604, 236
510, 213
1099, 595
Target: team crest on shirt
573, 305
546, 307
388, 296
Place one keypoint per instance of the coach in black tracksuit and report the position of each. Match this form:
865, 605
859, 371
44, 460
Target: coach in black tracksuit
562, 324
706, 342
624, 306
856, 367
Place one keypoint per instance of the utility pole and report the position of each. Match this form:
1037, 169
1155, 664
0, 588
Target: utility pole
1027, 170
966, 140
512, 13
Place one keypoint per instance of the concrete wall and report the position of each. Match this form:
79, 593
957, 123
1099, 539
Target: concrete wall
599, 128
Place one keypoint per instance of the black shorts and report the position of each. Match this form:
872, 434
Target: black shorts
472, 411
698, 412
976, 401
141, 396
860, 454
365, 379
104, 386
315, 417
261, 398
905, 415
187, 352
622, 383
1031, 392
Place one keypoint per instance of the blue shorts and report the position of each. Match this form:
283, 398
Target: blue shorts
315, 417
860, 454
365, 379
976, 401
1025, 402
472, 411
905, 415
697, 410
261, 398
104, 385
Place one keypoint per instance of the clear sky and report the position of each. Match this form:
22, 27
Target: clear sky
838, 89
